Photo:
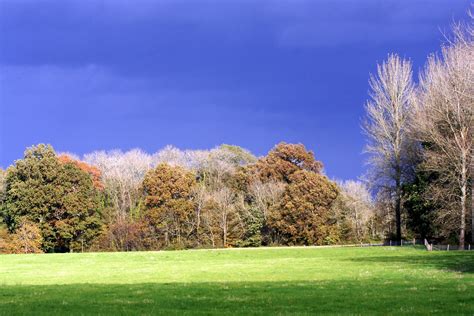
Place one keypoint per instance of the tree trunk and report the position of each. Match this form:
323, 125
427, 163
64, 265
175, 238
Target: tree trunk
224, 230
225, 234
357, 224
398, 216
472, 195
472, 206
462, 227
462, 230
198, 224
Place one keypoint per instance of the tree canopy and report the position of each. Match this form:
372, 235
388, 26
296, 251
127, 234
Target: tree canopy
58, 197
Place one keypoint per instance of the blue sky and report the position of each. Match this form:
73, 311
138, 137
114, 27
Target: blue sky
89, 75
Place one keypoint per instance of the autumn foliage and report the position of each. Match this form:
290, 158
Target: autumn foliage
303, 214
26, 239
59, 198
168, 204
94, 172
284, 160
224, 197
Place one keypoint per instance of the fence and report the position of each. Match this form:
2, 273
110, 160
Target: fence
383, 243
431, 247
403, 242
425, 243
422, 243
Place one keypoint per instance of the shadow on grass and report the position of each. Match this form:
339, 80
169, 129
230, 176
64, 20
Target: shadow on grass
324, 297
457, 261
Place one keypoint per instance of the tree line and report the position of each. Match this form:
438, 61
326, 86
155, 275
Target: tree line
224, 197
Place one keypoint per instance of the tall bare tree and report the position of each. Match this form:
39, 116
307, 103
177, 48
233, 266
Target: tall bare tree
445, 121
387, 128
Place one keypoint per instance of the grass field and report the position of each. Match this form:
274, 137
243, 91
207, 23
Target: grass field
377, 280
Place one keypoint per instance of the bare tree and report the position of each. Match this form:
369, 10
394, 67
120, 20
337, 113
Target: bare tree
387, 125
221, 162
358, 204
225, 202
266, 195
200, 197
445, 122
189, 159
212, 166
122, 174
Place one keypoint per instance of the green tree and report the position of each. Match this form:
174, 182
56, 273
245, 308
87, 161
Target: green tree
421, 212
252, 229
59, 198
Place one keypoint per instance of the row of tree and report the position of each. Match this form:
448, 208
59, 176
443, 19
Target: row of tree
421, 142
224, 197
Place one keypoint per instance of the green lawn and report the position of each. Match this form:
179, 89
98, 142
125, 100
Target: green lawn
378, 280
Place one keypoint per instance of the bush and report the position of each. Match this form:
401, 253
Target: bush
5, 239
122, 235
26, 239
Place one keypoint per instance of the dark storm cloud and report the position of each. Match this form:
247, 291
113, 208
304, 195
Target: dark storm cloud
85, 75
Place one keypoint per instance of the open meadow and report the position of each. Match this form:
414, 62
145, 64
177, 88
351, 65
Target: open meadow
376, 280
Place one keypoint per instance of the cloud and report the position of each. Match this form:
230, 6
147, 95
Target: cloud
95, 90
85, 108
331, 23
148, 36
88, 74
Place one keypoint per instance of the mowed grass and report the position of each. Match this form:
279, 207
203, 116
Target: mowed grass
377, 280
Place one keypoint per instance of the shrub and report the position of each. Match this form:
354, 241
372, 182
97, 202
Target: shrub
26, 239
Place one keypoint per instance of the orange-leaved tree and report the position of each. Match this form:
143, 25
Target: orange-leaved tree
168, 203
303, 215
284, 160
93, 171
